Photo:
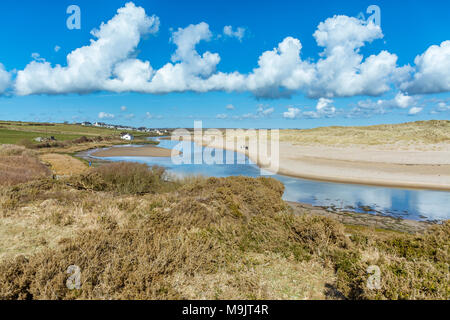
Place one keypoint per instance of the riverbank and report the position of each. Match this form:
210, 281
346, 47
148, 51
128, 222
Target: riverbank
362, 219
417, 166
145, 151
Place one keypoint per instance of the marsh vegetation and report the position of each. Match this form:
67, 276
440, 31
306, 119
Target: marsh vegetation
137, 235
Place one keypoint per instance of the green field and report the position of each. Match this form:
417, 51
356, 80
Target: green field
15, 136
14, 132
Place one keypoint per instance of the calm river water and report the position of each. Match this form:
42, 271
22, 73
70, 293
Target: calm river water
402, 203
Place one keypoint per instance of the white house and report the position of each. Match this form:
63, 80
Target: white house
127, 136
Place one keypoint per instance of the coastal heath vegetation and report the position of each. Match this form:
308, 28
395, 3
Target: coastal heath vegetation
19, 165
135, 234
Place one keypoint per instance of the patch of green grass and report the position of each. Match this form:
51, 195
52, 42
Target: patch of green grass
14, 137
15, 132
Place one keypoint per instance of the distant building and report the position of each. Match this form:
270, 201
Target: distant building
127, 136
86, 123
41, 139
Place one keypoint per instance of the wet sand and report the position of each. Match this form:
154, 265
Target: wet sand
146, 151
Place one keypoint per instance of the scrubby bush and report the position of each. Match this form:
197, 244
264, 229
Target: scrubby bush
124, 178
208, 236
412, 266
19, 165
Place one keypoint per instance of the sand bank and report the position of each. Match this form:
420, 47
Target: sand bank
413, 166
146, 151
424, 169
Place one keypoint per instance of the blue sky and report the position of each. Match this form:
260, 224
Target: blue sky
272, 96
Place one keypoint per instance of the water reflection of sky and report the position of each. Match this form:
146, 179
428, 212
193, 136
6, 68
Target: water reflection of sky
411, 204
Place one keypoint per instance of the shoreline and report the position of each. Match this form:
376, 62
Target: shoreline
380, 174
363, 219
144, 151
346, 217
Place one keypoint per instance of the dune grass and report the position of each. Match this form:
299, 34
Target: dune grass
426, 132
216, 238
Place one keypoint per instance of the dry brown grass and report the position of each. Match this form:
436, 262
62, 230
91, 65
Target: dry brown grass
123, 178
62, 164
19, 165
225, 238
426, 132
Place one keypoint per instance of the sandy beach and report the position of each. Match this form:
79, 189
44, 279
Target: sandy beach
146, 151
427, 169
416, 166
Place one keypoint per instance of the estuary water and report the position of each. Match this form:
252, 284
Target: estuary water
422, 205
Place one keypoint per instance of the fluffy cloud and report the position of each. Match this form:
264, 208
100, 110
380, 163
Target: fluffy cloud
89, 68
221, 116
342, 71
441, 107
148, 115
279, 70
123, 108
230, 107
324, 108
262, 111
238, 34
414, 111
110, 63
403, 101
192, 69
292, 113
5, 79
105, 115
369, 107
432, 74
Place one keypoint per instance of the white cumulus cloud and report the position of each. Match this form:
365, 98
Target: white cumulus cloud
414, 111
89, 68
238, 34
110, 63
432, 71
221, 116
324, 108
5, 79
292, 113
403, 101
105, 115
442, 107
